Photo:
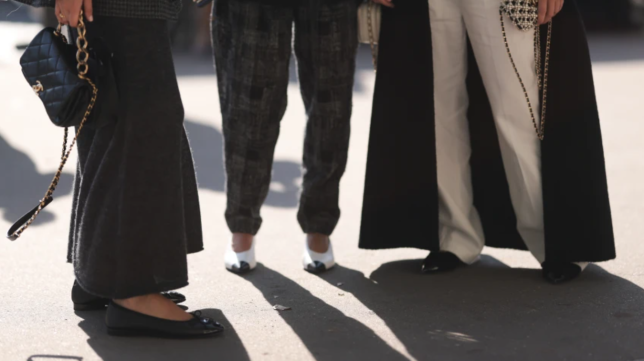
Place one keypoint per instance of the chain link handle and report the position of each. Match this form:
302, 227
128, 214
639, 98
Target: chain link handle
82, 56
542, 80
372, 41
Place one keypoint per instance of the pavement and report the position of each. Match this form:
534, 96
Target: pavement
374, 305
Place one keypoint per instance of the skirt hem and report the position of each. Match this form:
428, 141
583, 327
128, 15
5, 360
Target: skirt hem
157, 288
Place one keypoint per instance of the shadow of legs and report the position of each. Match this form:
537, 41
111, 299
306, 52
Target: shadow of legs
22, 186
228, 346
492, 312
327, 332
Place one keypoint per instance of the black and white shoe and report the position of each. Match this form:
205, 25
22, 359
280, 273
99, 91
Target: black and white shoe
438, 262
121, 321
242, 262
558, 273
315, 262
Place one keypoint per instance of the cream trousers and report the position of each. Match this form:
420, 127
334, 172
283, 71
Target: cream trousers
451, 22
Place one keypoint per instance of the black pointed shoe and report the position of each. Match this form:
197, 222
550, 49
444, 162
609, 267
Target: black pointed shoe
558, 273
121, 321
84, 301
438, 262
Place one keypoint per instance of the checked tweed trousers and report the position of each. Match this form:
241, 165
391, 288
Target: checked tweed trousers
252, 45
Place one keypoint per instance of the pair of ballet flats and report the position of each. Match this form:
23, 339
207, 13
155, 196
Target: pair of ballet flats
121, 321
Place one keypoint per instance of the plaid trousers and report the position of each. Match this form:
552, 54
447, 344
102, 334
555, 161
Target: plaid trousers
252, 44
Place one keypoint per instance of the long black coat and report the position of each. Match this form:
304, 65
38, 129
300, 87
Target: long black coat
401, 198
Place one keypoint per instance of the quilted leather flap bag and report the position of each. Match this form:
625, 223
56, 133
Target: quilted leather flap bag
49, 65
59, 73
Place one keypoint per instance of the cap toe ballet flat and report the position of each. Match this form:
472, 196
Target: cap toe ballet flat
121, 321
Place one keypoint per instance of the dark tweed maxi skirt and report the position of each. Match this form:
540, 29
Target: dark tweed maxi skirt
135, 214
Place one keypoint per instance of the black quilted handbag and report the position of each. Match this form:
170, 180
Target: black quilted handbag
59, 74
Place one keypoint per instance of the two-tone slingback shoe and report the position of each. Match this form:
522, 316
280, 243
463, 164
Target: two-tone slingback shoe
315, 262
84, 301
240, 262
121, 321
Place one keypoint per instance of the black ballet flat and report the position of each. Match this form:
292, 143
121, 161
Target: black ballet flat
558, 273
438, 262
121, 321
84, 301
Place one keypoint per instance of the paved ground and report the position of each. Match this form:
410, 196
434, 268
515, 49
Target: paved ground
374, 306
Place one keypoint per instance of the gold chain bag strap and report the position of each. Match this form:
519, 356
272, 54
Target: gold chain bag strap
525, 15
369, 18
82, 57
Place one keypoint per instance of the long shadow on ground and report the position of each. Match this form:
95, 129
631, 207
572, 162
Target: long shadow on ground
327, 333
228, 346
492, 312
22, 185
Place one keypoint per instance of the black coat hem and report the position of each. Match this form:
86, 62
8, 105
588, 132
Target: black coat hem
158, 288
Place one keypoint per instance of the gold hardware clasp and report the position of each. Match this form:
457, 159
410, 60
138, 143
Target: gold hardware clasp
38, 88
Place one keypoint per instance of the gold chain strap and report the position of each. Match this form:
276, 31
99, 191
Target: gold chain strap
543, 84
372, 41
82, 55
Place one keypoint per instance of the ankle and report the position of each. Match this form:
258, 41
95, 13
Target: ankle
318, 242
155, 305
242, 242
133, 302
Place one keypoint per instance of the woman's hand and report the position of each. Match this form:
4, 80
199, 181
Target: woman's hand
387, 3
68, 11
548, 9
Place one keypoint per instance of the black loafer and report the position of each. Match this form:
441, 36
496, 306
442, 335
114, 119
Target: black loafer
84, 301
438, 262
123, 322
558, 273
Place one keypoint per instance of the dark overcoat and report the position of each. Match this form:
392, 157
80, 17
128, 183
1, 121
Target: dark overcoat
135, 209
401, 198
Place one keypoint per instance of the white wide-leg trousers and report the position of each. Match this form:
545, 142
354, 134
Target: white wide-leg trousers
451, 21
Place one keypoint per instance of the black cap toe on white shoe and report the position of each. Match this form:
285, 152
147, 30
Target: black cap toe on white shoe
315, 262
316, 267
243, 267
242, 262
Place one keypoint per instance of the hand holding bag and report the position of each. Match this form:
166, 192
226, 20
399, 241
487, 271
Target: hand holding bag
59, 74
